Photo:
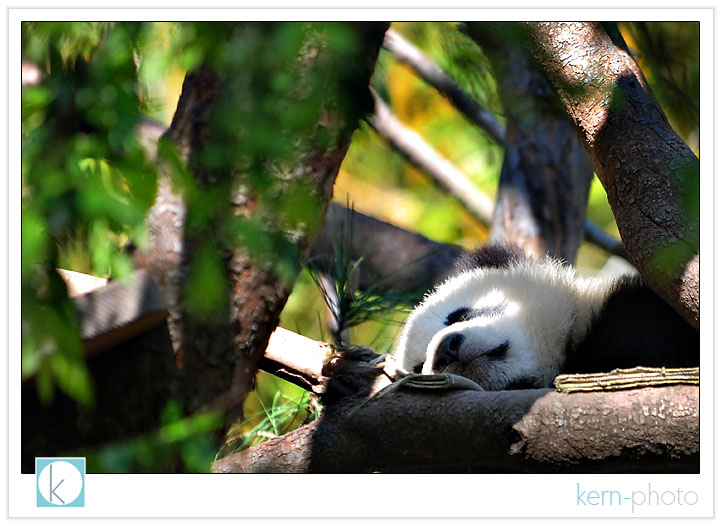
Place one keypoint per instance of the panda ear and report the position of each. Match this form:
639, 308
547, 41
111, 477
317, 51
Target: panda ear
495, 255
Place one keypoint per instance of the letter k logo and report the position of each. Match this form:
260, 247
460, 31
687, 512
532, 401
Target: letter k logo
60, 482
54, 489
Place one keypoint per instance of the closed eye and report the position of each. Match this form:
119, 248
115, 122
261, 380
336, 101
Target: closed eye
460, 314
499, 351
466, 314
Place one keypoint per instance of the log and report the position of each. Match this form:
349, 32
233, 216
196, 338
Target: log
650, 430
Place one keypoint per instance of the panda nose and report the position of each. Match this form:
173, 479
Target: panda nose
448, 350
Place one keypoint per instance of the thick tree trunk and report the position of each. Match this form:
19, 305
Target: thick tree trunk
218, 353
534, 431
544, 186
651, 176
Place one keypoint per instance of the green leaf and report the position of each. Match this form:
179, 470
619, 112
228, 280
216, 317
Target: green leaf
206, 294
44, 383
100, 246
34, 244
121, 265
73, 378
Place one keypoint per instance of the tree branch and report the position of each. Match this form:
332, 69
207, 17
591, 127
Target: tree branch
650, 175
423, 156
596, 236
433, 75
520, 431
129, 356
544, 184
296, 359
506, 431
391, 258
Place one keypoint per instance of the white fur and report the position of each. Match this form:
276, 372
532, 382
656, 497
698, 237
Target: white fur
546, 305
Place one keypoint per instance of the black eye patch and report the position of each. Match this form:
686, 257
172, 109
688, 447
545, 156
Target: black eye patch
466, 314
499, 351
457, 316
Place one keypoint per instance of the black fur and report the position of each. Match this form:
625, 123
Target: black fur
466, 314
496, 255
521, 383
634, 327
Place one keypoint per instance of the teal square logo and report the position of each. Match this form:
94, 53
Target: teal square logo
60, 482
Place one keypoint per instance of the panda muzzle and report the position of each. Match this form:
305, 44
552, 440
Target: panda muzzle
448, 350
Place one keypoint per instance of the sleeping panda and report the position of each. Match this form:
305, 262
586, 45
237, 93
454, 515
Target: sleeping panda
507, 321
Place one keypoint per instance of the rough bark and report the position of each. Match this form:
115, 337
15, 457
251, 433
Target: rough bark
409, 430
218, 357
533, 431
544, 185
651, 176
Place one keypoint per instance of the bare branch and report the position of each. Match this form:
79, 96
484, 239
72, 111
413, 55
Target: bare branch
119, 311
595, 235
427, 69
420, 154
295, 358
79, 283
130, 358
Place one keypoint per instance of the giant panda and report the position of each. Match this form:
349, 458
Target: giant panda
507, 321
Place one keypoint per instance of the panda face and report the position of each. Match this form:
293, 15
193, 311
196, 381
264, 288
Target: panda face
502, 328
486, 343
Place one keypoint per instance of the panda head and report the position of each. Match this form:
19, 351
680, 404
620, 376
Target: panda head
504, 326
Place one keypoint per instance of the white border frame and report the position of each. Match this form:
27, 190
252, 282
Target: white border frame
360, 495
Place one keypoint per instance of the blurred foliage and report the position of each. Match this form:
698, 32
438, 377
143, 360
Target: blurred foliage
87, 184
275, 82
181, 444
